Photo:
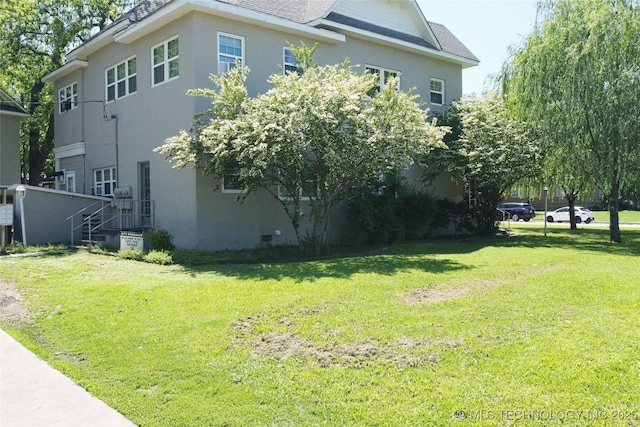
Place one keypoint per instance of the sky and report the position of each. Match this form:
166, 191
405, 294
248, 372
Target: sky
487, 27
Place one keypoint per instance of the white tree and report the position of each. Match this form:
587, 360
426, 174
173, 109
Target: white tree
316, 135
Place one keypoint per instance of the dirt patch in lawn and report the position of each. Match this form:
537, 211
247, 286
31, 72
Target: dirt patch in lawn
433, 294
283, 345
12, 310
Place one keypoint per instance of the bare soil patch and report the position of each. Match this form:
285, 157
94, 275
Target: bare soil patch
283, 345
12, 310
432, 294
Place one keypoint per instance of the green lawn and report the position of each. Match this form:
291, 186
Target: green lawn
524, 330
624, 216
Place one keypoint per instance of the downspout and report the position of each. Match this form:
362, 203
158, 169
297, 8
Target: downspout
114, 117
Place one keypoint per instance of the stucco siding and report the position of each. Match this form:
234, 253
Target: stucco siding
124, 132
9, 149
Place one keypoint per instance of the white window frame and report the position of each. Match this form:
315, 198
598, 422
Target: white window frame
70, 181
68, 97
102, 186
225, 66
289, 63
234, 189
283, 196
127, 79
166, 61
384, 74
433, 92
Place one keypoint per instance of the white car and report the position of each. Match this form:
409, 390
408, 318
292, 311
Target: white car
562, 214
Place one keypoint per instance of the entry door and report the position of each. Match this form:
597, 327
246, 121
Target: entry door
144, 174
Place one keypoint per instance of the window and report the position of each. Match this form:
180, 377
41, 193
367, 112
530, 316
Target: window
104, 181
121, 79
231, 184
383, 77
437, 91
309, 188
68, 97
166, 63
70, 181
289, 61
230, 50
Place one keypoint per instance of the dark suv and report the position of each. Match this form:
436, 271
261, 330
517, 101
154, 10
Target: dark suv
518, 211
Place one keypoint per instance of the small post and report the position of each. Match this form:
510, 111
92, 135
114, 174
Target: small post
3, 228
21, 192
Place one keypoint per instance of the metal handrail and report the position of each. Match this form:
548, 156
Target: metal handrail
124, 218
104, 205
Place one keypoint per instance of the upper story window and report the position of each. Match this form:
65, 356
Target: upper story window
104, 181
289, 61
383, 74
166, 62
121, 79
230, 50
68, 97
437, 91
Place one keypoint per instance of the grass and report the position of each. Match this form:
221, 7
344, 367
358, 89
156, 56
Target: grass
623, 216
502, 331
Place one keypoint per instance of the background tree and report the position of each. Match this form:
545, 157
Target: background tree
577, 77
34, 36
489, 151
316, 135
562, 168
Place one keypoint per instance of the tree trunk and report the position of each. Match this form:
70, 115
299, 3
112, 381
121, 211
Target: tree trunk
571, 199
39, 152
614, 221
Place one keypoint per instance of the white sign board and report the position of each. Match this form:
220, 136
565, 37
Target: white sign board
131, 241
6, 214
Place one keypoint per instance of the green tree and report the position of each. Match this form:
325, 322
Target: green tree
576, 78
34, 36
488, 151
315, 135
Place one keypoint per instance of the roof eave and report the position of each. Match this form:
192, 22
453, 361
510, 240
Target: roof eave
18, 110
69, 67
390, 41
181, 7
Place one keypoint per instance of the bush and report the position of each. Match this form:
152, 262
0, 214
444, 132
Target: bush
160, 240
159, 257
15, 248
388, 212
133, 254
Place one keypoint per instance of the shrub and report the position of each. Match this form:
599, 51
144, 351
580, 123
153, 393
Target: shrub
160, 240
389, 211
15, 248
133, 254
159, 257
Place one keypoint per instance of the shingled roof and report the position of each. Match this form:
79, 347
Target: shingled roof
314, 12
449, 42
301, 11
10, 105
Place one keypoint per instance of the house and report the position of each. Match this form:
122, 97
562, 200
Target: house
122, 93
11, 113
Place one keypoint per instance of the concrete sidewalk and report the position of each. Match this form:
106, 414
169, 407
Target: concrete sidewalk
33, 394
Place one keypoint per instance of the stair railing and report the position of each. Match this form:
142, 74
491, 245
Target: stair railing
103, 205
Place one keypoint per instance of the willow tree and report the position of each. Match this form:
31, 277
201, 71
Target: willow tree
314, 138
577, 78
